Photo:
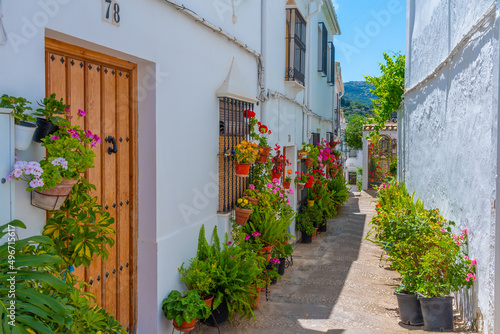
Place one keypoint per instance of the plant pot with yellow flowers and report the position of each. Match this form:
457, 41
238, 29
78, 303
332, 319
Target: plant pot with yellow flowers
242, 211
245, 155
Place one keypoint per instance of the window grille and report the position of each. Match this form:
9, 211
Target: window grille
233, 128
330, 138
315, 138
296, 46
352, 178
322, 49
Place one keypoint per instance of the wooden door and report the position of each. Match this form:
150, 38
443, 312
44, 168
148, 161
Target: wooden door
105, 88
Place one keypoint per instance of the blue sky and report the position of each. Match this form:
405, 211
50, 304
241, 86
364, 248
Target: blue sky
369, 28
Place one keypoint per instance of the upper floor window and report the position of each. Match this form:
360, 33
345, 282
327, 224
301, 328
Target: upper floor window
296, 46
331, 62
322, 49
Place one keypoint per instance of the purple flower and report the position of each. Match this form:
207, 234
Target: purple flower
229, 243
251, 187
255, 234
247, 237
275, 261
54, 137
81, 112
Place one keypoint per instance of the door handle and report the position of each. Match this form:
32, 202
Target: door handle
111, 139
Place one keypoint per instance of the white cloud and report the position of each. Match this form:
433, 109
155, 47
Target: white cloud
335, 5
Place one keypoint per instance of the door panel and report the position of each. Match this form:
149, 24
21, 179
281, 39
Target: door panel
102, 86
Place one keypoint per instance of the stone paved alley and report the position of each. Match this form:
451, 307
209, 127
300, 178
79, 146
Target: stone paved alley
334, 286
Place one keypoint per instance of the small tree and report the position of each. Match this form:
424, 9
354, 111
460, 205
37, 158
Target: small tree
389, 87
354, 132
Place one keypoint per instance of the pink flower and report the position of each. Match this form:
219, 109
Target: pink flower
274, 191
281, 195
54, 137
269, 185
16, 159
443, 230
247, 237
93, 144
251, 187
9, 176
81, 112
255, 234
89, 134
464, 231
229, 243
40, 183
34, 183
458, 242
97, 139
275, 261
454, 236
473, 262
290, 191
67, 109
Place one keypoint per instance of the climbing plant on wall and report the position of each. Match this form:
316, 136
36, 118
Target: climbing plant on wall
389, 87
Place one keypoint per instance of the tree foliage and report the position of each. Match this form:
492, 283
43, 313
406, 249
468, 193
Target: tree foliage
354, 132
389, 87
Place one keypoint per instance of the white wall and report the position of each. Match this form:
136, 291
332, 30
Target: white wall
451, 132
180, 66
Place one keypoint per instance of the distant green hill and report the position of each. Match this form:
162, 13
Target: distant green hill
359, 91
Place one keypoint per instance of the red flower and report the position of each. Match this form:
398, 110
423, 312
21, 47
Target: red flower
262, 128
248, 113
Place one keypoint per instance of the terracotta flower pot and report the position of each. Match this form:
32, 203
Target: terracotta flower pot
309, 162
258, 298
276, 175
52, 199
302, 154
241, 215
333, 172
264, 154
252, 200
209, 301
286, 185
310, 202
268, 250
242, 169
315, 232
185, 326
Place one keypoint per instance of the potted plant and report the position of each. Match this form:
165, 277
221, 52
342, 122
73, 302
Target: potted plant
312, 154
261, 136
302, 153
305, 223
185, 309
242, 211
279, 163
444, 268
48, 116
301, 179
288, 179
24, 128
69, 154
199, 276
245, 154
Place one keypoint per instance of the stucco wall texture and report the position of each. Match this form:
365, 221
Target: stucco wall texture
450, 152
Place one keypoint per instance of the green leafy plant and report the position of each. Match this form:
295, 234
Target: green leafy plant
359, 178
185, 307
354, 132
19, 105
306, 219
243, 203
51, 108
81, 229
199, 276
389, 88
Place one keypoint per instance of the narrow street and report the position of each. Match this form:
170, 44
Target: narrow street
334, 286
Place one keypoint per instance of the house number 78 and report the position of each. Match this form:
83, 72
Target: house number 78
111, 11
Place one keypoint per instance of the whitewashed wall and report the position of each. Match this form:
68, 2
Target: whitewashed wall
180, 66
451, 132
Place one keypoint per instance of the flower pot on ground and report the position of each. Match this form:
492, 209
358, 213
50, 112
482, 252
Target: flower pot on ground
185, 309
218, 316
52, 199
257, 300
409, 309
315, 232
310, 202
24, 134
44, 129
306, 238
322, 227
305, 222
437, 313
281, 267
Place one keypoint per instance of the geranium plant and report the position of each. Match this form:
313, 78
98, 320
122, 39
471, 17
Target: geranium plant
288, 176
246, 152
19, 105
280, 162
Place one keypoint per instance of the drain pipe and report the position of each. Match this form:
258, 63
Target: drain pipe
263, 52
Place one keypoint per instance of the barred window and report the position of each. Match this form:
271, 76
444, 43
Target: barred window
233, 128
296, 46
322, 49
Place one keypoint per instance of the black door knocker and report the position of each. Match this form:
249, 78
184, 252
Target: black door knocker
111, 139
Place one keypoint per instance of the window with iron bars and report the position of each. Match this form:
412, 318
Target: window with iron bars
296, 46
315, 138
233, 128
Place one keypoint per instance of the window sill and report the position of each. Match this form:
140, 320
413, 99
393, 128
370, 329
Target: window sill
293, 88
